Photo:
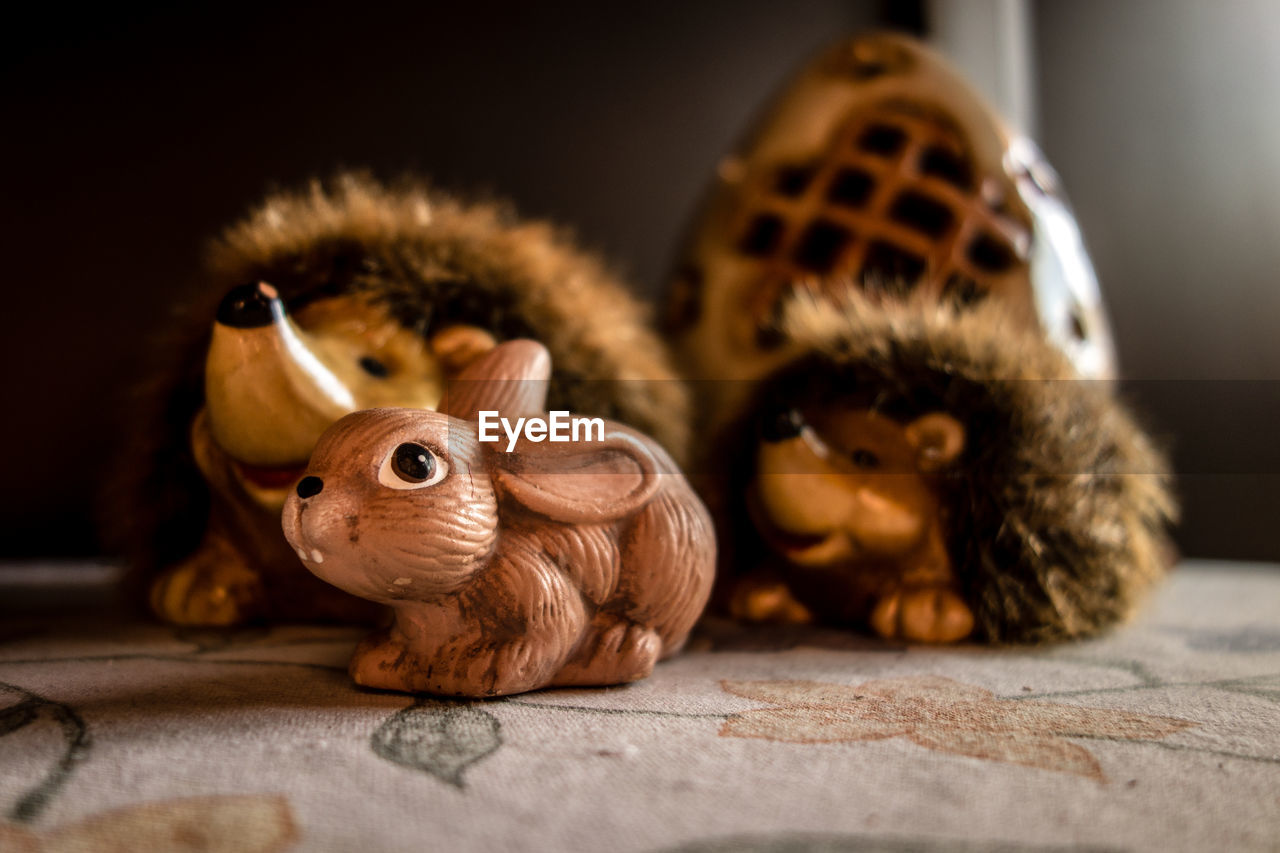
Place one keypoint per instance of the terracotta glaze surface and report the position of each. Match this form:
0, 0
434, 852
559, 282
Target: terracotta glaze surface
557, 563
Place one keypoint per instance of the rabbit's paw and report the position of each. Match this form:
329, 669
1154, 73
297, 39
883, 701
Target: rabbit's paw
619, 652
385, 661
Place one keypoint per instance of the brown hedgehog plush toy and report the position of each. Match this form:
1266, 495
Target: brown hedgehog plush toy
340, 297
935, 474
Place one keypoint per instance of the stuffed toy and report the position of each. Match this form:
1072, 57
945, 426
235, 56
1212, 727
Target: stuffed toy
934, 474
341, 297
908, 424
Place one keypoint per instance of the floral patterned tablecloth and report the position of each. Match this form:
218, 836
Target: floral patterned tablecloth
1163, 736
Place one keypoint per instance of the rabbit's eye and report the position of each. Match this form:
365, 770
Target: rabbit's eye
413, 463
411, 466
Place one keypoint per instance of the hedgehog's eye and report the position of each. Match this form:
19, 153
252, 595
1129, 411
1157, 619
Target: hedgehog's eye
780, 425
411, 466
374, 367
865, 459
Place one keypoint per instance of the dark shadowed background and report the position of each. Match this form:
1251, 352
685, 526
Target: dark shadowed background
132, 135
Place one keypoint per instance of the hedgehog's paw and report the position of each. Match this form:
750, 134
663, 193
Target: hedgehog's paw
212, 588
766, 600
922, 615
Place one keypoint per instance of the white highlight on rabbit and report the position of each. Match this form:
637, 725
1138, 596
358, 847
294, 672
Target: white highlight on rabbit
558, 426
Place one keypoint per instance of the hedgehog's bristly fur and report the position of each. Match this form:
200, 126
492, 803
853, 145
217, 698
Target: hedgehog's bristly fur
436, 260
1057, 514
432, 260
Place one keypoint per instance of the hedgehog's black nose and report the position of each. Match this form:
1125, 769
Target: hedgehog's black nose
309, 486
248, 306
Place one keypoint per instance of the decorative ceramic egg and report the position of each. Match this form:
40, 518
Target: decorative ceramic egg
878, 167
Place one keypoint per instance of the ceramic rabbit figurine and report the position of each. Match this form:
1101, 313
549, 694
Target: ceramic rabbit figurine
575, 562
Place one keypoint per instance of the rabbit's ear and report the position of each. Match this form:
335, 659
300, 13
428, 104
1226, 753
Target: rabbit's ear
586, 482
510, 379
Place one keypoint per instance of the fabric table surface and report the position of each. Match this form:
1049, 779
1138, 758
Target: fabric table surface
1163, 735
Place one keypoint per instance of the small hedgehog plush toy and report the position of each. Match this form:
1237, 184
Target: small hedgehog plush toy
934, 475
342, 297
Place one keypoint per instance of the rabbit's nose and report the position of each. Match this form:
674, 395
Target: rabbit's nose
309, 486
